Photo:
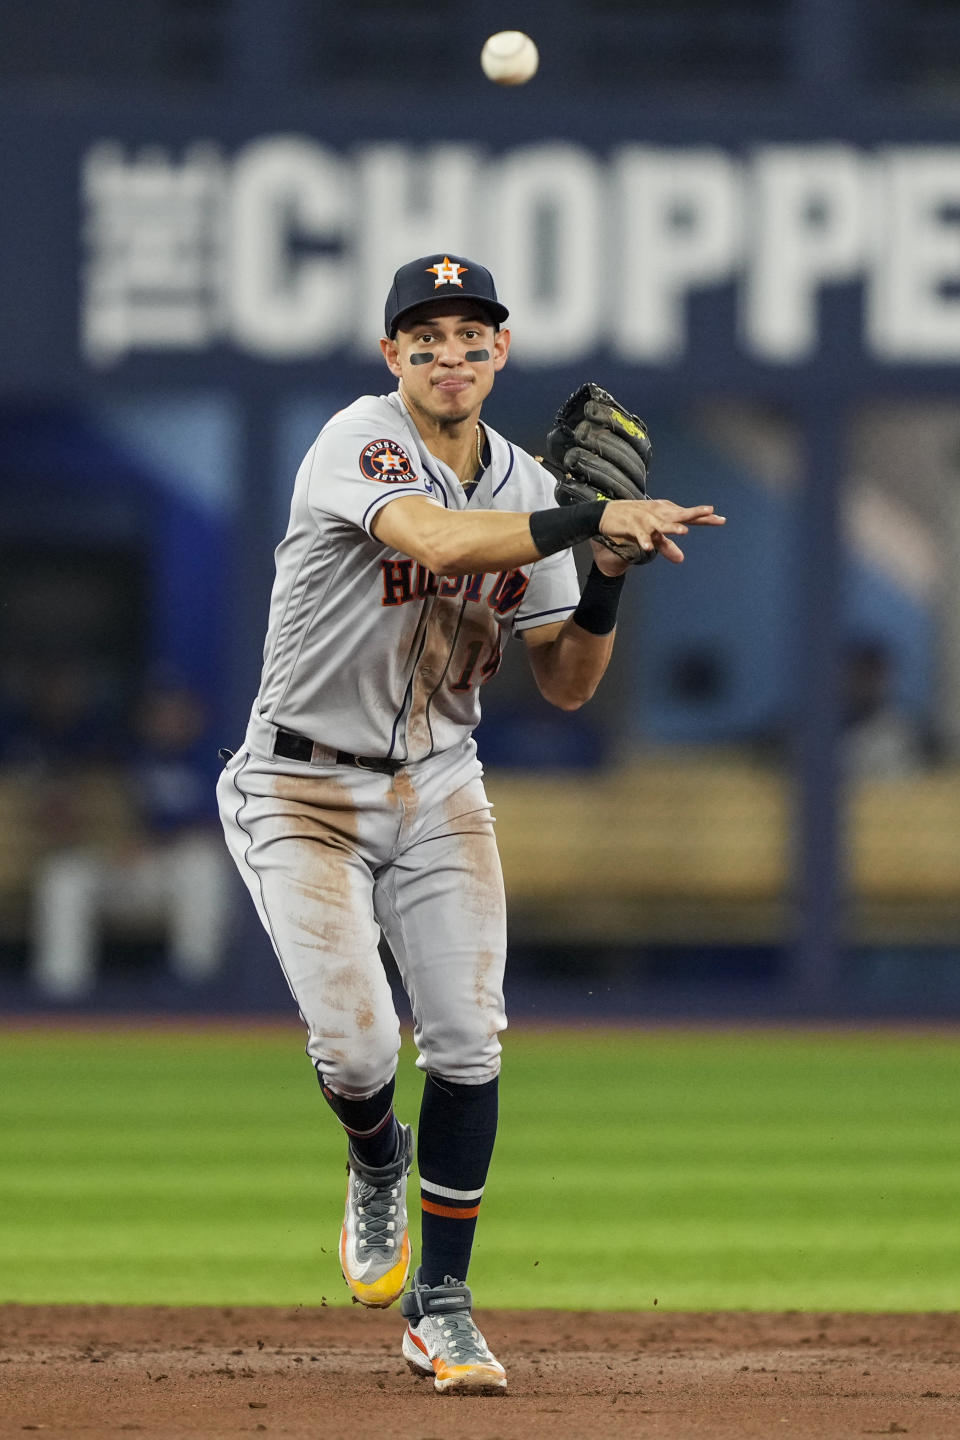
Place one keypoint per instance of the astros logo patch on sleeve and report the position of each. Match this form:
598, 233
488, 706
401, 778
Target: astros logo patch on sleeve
386, 460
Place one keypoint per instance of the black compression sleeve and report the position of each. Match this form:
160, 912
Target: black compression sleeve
597, 610
558, 529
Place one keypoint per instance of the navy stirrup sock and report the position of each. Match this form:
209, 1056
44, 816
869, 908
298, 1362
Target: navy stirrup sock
370, 1124
458, 1125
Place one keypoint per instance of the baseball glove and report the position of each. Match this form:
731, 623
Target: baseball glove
599, 451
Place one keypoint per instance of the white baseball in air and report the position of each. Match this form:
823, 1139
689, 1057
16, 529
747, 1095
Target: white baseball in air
509, 58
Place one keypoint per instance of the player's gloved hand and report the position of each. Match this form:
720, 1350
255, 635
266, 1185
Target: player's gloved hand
598, 450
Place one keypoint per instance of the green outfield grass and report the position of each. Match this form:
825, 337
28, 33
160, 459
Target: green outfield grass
700, 1171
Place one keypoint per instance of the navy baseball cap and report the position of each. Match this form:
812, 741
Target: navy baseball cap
440, 277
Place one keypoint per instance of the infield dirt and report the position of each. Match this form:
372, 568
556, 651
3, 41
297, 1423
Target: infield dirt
167, 1373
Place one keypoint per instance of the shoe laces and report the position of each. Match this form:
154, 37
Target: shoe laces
376, 1215
462, 1338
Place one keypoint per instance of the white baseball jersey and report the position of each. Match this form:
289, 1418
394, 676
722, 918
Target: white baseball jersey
366, 650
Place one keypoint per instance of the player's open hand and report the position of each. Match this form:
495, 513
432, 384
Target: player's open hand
649, 524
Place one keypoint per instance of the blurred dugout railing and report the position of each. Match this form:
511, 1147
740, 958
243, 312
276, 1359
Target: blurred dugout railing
676, 848
92, 809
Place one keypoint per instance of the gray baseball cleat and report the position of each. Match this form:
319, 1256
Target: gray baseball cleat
442, 1340
374, 1244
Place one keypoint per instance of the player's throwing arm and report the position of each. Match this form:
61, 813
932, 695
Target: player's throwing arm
599, 454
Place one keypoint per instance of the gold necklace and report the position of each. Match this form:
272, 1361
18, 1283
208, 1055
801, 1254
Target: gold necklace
479, 449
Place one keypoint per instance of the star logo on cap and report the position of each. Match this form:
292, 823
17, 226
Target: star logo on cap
447, 273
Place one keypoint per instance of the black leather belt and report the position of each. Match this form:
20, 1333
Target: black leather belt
297, 747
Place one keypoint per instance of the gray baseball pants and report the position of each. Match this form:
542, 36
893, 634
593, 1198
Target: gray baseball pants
333, 855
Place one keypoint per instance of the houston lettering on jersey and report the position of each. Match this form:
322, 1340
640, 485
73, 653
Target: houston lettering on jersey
405, 580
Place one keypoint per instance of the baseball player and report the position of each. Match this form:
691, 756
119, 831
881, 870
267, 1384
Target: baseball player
419, 541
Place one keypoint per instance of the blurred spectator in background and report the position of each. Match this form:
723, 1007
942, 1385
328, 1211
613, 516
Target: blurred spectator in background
168, 871
56, 713
880, 740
